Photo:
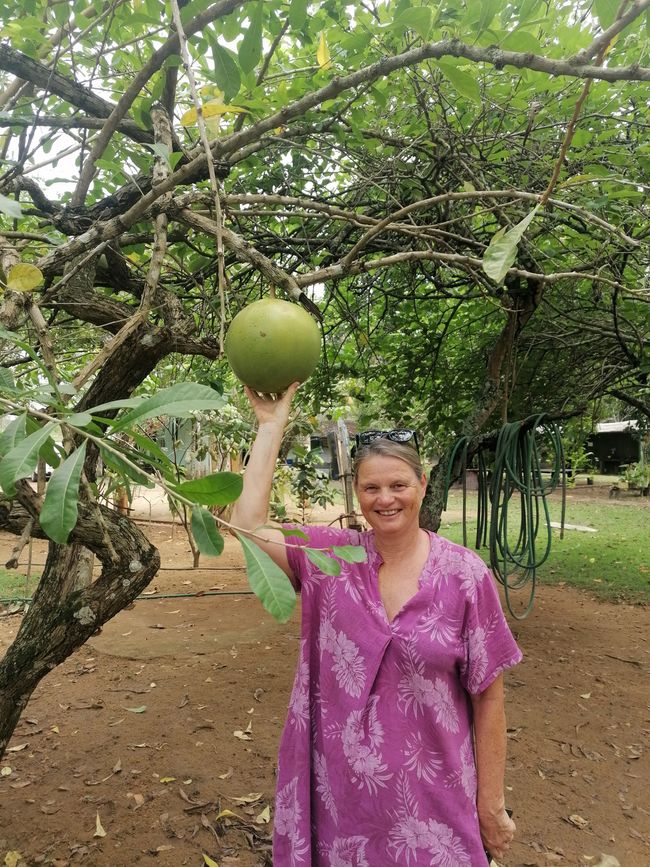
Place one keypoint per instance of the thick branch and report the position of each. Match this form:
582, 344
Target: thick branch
73, 93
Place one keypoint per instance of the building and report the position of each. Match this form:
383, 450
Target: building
615, 444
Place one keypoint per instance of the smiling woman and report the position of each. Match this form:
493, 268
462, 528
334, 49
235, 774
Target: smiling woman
398, 694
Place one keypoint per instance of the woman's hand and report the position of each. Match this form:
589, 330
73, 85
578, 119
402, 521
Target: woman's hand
497, 831
272, 410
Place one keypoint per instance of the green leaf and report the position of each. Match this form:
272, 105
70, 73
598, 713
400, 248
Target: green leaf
217, 489
178, 400
122, 468
418, 18
268, 581
60, 506
502, 251
12, 434
323, 561
288, 532
208, 539
226, 71
10, 207
79, 419
250, 48
20, 461
606, 11
463, 82
7, 381
298, 13
489, 9
141, 709
350, 553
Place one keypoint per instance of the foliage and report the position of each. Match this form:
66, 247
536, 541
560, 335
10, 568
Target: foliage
367, 161
309, 484
637, 475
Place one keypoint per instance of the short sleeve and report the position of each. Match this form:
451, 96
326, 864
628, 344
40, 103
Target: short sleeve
489, 644
311, 537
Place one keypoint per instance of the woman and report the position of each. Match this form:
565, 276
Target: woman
393, 752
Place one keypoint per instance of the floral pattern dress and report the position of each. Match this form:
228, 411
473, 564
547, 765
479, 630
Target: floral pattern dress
376, 763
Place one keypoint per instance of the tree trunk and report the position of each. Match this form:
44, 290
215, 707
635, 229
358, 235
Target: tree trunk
66, 610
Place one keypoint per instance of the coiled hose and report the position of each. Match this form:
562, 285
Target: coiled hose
515, 468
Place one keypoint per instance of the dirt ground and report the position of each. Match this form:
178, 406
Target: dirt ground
132, 751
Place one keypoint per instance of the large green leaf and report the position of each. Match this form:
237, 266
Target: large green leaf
606, 11
323, 561
20, 461
206, 535
12, 434
464, 82
250, 48
60, 506
178, 400
298, 13
268, 581
502, 250
217, 489
418, 18
350, 553
226, 71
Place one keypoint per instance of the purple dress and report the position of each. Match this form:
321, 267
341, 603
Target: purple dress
376, 763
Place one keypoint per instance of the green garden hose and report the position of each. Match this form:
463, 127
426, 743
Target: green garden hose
515, 468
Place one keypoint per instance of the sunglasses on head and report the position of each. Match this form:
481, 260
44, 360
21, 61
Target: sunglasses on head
399, 435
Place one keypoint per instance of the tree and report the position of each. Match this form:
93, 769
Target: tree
462, 187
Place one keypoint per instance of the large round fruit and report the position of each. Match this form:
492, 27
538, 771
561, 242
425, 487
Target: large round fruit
272, 343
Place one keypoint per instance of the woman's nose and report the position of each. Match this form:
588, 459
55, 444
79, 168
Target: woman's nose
385, 495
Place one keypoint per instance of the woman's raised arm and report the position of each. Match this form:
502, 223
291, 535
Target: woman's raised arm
250, 512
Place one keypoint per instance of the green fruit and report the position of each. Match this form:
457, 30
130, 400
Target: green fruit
272, 343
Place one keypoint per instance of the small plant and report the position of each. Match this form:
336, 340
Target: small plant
637, 477
309, 484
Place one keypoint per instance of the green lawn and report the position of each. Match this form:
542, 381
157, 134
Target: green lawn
14, 584
613, 563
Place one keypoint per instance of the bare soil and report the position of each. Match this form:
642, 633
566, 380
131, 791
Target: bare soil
131, 752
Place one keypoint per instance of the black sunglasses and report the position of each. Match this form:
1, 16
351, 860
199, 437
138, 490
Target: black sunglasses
399, 435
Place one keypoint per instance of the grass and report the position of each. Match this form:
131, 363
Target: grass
15, 585
613, 563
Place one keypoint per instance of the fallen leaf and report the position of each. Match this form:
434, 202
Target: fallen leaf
168, 779
117, 722
227, 775
6, 771
16, 749
99, 831
12, 858
578, 821
264, 817
140, 709
247, 799
55, 729
209, 862
243, 736
226, 814
585, 695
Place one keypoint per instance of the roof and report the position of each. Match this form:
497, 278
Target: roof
617, 426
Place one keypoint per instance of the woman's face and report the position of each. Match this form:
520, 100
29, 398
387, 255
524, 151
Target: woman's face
390, 493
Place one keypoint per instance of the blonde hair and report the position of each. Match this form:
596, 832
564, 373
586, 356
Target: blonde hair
387, 448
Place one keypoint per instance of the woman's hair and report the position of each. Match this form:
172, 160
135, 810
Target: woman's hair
403, 451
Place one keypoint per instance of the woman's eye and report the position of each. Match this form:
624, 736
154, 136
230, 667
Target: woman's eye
399, 487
